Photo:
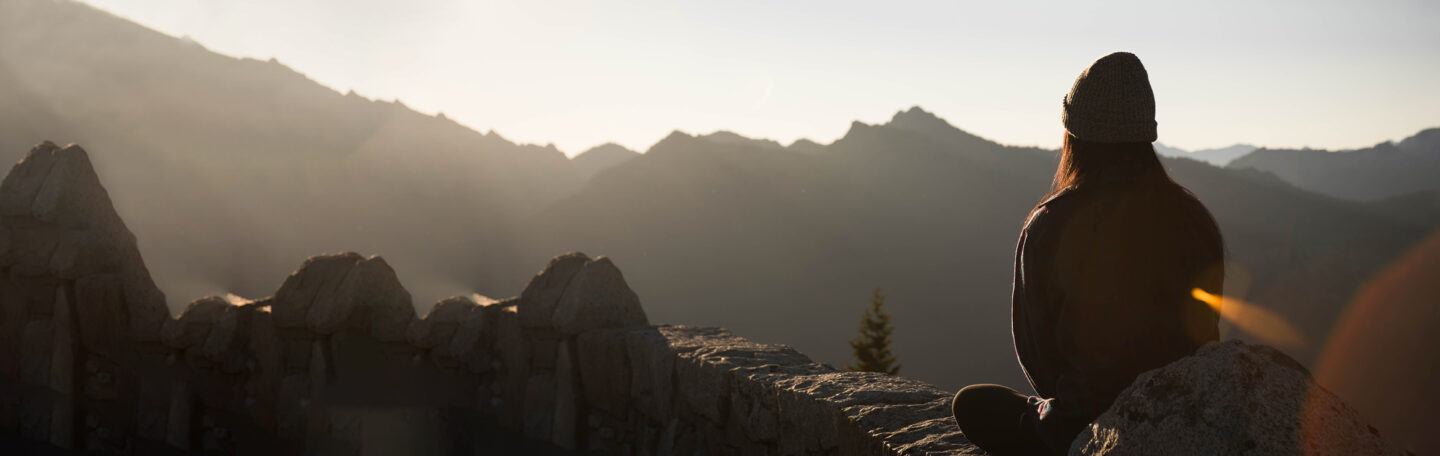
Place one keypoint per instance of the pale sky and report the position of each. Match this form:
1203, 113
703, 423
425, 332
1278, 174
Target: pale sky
1316, 73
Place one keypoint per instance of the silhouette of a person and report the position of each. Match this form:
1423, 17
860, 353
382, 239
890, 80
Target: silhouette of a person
1104, 272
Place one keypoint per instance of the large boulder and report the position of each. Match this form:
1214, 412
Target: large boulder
598, 297
57, 223
322, 295
537, 302
1229, 398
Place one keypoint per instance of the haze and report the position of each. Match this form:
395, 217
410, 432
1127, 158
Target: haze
1291, 74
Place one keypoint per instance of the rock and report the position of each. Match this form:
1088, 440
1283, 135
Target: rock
14, 314
331, 308
265, 343
36, 350
319, 274
59, 224
84, 252
564, 429
652, 367
194, 324
503, 336
144, 302
440, 324
598, 297
33, 247
465, 346
539, 406
23, 182
100, 302
389, 303
538, 301
327, 289
71, 195
604, 369
63, 345
1229, 398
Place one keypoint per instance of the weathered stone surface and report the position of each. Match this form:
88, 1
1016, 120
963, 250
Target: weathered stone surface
265, 344
23, 182
1229, 398
466, 345
84, 252
652, 367
440, 324
389, 303
66, 339
567, 400
194, 324
539, 406
71, 195
13, 316
538, 301
503, 336
59, 224
319, 274
144, 303
35, 351
604, 369
99, 306
598, 297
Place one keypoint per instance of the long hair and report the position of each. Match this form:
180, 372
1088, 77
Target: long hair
1082, 161
1133, 235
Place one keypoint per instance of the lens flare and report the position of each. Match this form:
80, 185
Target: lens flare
1265, 325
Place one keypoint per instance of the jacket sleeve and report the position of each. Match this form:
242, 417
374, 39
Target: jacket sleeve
1033, 311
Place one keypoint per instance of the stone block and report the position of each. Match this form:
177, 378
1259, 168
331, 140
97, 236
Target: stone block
466, 345
652, 380
391, 310
598, 297
194, 324
35, 351
604, 369
441, 323
539, 406
319, 274
538, 301
63, 346
100, 303
567, 400
32, 245
13, 317
18, 191
85, 252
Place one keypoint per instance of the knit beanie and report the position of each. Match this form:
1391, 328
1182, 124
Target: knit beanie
1111, 102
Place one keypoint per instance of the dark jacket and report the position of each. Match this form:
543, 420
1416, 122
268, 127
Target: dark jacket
1103, 281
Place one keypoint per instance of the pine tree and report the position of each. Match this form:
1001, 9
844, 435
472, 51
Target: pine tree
872, 346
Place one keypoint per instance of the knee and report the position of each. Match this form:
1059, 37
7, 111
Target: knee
974, 400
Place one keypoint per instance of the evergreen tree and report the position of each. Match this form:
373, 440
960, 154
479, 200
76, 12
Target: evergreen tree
872, 346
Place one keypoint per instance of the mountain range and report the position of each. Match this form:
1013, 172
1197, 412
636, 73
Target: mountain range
231, 171
1218, 157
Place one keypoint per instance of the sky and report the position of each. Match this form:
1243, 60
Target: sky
1318, 73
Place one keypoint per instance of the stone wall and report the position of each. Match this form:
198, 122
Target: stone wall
337, 362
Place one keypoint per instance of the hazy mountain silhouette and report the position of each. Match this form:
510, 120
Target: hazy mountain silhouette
599, 158
1385, 170
231, 171
783, 246
1218, 157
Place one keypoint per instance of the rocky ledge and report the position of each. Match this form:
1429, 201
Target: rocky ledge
337, 361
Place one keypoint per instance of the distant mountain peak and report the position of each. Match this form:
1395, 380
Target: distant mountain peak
730, 137
600, 158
